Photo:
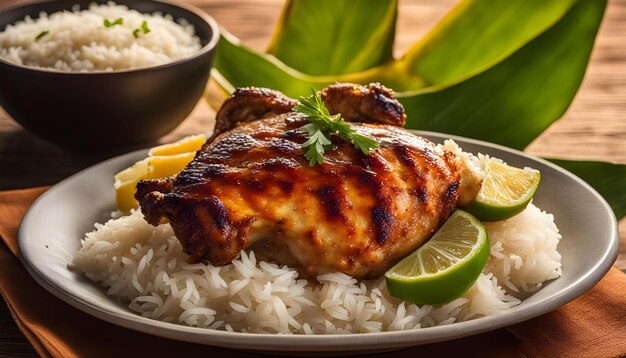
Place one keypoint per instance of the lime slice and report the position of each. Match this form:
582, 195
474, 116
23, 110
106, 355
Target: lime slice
446, 266
504, 192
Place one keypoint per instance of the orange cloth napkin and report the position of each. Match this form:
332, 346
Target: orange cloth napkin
594, 325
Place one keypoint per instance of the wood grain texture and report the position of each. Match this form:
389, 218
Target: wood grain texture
593, 128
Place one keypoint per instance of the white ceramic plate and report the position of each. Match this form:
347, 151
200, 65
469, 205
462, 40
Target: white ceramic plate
51, 231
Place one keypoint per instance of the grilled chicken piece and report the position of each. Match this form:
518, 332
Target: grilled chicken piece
251, 187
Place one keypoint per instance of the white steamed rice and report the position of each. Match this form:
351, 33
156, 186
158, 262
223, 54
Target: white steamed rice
146, 267
78, 41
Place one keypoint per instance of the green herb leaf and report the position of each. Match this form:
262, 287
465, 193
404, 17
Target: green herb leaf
321, 125
350, 36
41, 35
316, 147
108, 24
144, 27
477, 34
513, 101
363, 143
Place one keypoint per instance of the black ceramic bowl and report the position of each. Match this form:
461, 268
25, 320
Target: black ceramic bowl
97, 110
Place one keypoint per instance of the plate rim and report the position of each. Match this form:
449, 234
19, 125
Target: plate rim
331, 342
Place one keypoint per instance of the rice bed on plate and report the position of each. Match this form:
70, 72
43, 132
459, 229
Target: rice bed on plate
146, 267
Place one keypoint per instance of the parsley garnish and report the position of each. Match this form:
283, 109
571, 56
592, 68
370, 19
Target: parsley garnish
144, 28
108, 24
322, 125
41, 35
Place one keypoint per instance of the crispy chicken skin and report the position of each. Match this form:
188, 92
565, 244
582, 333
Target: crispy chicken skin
249, 104
251, 187
372, 104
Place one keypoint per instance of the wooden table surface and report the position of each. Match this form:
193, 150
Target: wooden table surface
593, 128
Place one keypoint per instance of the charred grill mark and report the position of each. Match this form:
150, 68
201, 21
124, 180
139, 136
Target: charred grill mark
381, 216
367, 178
286, 186
421, 193
281, 146
189, 177
218, 212
331, 201
389, 105
364, 176
373, 163
255, 185
451, 191
209, 171
224, 147
295, 135
405, 156
278, 164
368, 171
383, 221
365, 162
416, 172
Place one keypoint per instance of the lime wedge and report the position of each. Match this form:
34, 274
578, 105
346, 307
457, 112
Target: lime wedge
504, 192
446, 266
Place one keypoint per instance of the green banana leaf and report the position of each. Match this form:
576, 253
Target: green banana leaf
475, 35
330, 37
517, 99
607, 178
237, 65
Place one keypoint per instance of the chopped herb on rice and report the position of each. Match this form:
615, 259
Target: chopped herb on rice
108, 24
